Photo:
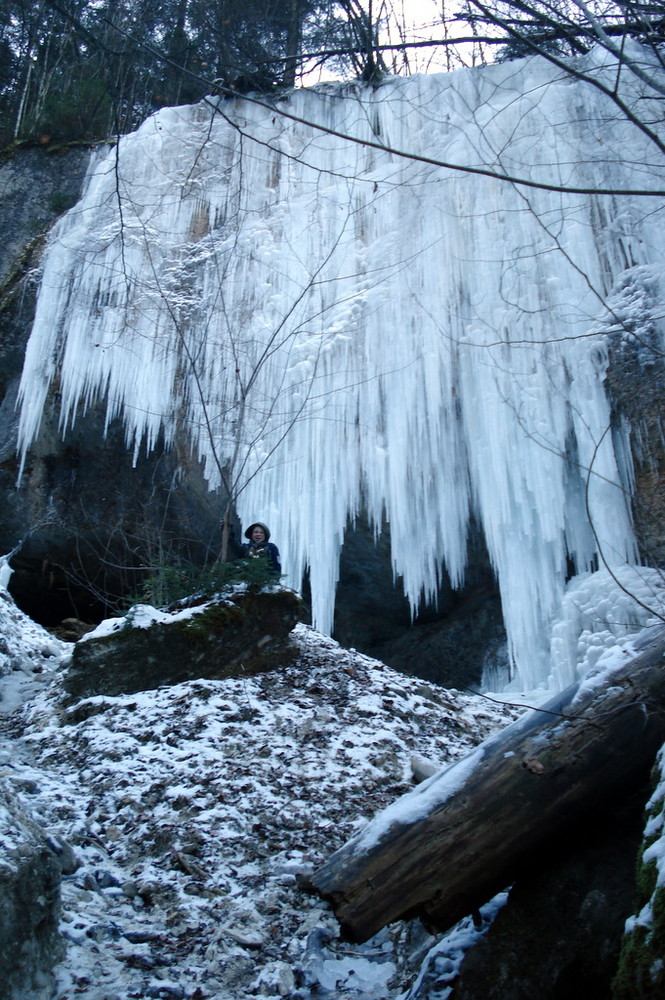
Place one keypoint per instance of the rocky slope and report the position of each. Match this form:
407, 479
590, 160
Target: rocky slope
175, 829
192, 810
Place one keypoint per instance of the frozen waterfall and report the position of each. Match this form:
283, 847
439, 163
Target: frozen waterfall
338, 327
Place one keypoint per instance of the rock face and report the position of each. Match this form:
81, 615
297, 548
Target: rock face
88, 520
29, 904
559, 935
447, 644
636, 387
243, 635
90, 523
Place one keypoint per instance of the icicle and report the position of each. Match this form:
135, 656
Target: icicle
5, 572
338, 327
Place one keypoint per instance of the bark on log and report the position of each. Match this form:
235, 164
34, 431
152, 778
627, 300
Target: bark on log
447, 847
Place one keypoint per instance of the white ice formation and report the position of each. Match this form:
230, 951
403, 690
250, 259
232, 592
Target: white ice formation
341, 327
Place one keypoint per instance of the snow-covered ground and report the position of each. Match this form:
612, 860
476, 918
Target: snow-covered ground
193, 809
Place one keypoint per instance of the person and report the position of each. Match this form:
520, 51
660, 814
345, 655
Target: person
260, 546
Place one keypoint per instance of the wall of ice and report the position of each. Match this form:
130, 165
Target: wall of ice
336, 326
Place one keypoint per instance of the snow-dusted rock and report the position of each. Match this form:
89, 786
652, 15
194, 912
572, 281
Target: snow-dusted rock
29, 903
24, 645
237, 635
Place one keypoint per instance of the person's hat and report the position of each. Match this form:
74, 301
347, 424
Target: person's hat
257, 524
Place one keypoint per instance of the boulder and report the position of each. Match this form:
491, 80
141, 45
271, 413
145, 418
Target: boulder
245, 633
30, 875
558, 937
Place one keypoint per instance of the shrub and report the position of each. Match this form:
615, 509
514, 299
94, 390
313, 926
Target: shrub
170, 584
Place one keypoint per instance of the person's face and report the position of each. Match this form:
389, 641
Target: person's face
258, 534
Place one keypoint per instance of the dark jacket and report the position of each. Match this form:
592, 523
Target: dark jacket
264, 549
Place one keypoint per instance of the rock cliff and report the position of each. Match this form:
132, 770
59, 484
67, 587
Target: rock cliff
88, 523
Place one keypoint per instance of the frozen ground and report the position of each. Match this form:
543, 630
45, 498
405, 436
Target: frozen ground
193, 809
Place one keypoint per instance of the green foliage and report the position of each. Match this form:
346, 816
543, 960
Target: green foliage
94, 68
169, 584
80, 110
641, 971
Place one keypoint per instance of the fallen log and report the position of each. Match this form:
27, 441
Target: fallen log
447, 847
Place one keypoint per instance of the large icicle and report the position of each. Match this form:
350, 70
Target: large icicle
339, 327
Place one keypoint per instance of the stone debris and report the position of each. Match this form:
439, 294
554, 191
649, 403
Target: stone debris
185, 818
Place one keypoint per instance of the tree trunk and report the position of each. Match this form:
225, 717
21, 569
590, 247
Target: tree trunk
293, 42
226, 532
444, 849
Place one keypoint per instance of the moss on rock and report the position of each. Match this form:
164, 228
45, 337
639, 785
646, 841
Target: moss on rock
246, 633
641, 970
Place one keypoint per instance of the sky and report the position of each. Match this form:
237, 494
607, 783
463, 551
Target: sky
415, 21
423, 19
